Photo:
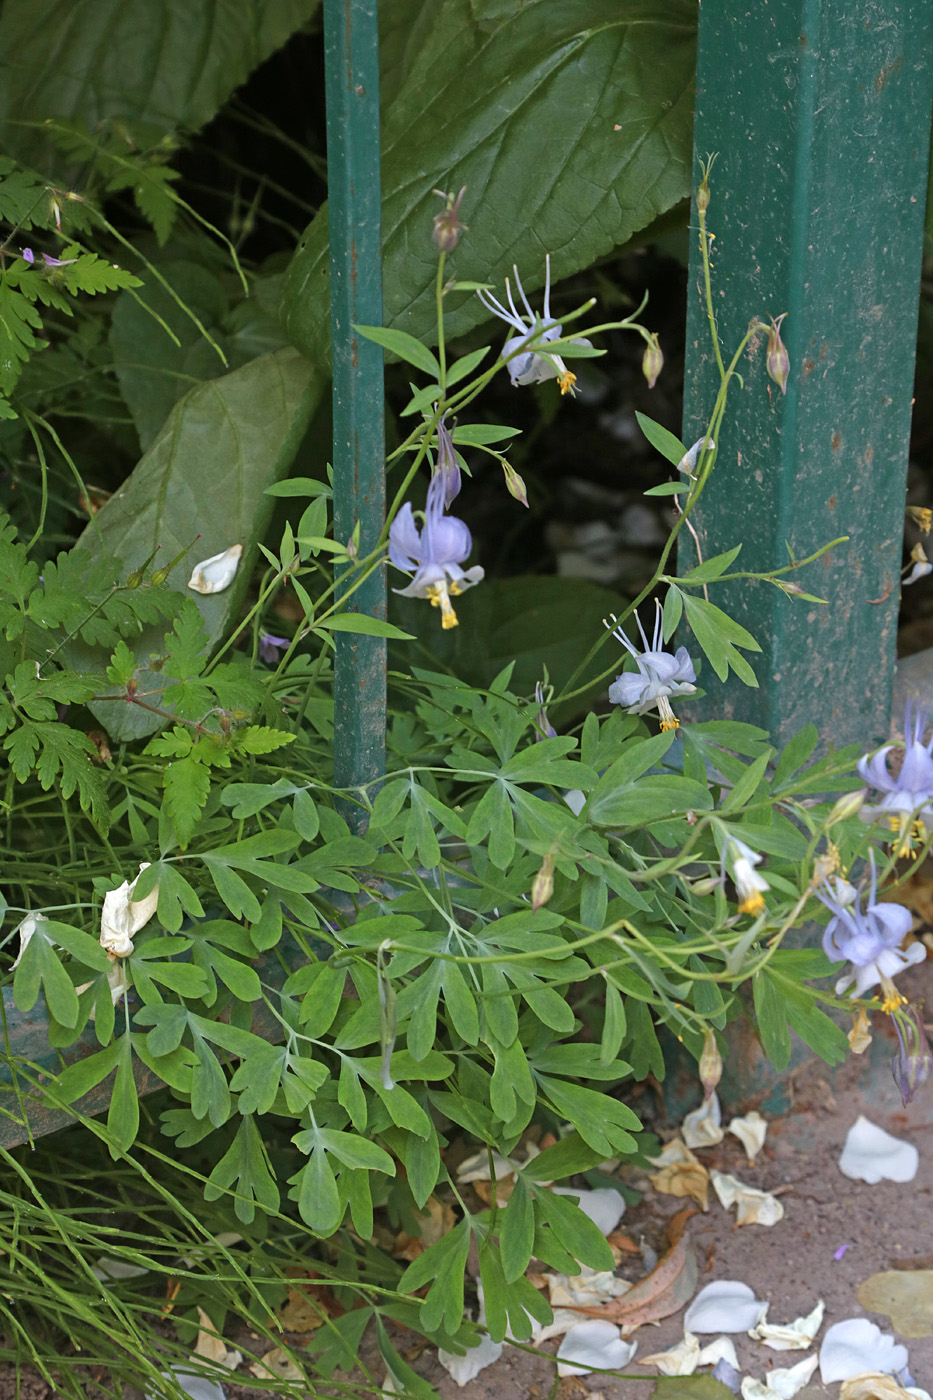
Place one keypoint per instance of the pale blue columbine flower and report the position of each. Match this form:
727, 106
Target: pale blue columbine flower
740, 860
909, 796
433, 554
269, 647
531, 367
870, 940
659, 675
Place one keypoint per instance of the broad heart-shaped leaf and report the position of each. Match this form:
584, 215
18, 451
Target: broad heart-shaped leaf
570, 125
205, 474
534, 621
167, 63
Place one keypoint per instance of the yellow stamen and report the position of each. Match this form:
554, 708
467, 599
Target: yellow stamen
672, 723
437, 595
567, 381
892, 1002
752, 903
668, 719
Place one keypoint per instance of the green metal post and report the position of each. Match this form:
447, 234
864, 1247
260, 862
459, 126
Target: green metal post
819, 111
351, 50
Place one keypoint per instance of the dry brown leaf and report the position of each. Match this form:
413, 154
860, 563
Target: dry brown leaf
624, 1243
681, 1174
434, 1222
212, 1347
664, 1290
872, 1385
299, 1313
505, 1185
278, 1364
906, 1298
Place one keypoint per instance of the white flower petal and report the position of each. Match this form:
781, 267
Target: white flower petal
593, 1345
605, 1206
679, 1360
26, 929
722, 1349
564, 1319
703, 1127
215, 574
790, 1336
751, 1132
122, 916
466, 1368
870, 1154
197, 1387
106, 1269
780, 1384
476, 1168
724, 1306
857, 1345
873, 1385
753, 1207
588, 1289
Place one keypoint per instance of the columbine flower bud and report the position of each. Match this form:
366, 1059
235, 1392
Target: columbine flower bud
447, 465
542, 886
849, 805
545, 730
913, 1062
652, 361
215, 574
514, 484
447, 225
710, 1064
778, 360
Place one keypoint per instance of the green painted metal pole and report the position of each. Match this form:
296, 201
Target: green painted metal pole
819, 111
351, 53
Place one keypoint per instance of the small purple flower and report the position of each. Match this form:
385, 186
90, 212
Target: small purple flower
840, 1252
49, 261
531, 367
908, 796
870, 940
447, 465
269, 647
659, 675
433, 554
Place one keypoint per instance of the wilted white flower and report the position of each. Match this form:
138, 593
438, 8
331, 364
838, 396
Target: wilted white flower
123, 916
217, 573
688, 461
26, 930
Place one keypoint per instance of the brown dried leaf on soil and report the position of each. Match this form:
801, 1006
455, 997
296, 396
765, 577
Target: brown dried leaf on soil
681, 1174
906, 1298
436, 1220
663, 1291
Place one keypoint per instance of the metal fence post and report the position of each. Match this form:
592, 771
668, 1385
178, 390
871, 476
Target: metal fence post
351, 55
819, 111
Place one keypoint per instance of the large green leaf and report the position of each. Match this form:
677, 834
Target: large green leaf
570, 125
168, 63
205, 474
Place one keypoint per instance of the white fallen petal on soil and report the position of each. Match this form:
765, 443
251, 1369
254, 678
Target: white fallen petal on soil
703, 1127
604, 1206
751, 1132
875, 1385
588, 1289
791, 1336
727, 1375
753, 1207
723, 1349
724, 1306
857, 1345
593, 1346
106, 1269
680, 1360
197, 1387
870, 1154
780, 1384
476, 1168
466, 1368
564, 1319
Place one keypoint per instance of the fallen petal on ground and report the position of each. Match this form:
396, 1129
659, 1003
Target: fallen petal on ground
724, 1306
679, 1360
564, 1319
680, 1173
875, 1385
780, 1384
753, 1207
751, 1132
593, 1346
870, 1154
857, 1345
791, 1336
589, 1288
703, 1127
197, 1387
723, 1349
466, 1368
605, 1206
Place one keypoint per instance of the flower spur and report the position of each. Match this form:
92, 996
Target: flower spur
531, 366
